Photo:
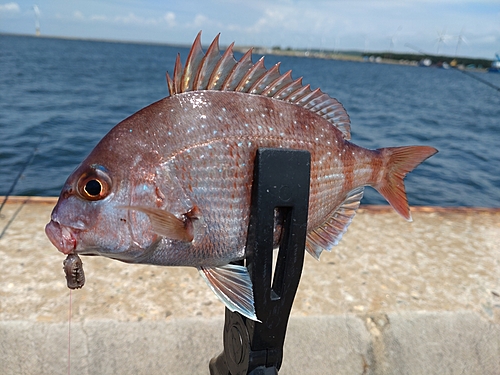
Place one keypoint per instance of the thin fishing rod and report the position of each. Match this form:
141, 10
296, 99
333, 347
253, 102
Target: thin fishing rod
13, 217
30, 160
425, 54
479, 79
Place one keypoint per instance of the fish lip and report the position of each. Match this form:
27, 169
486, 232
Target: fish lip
62, 237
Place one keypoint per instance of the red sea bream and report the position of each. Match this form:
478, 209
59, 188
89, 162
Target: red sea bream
170, 185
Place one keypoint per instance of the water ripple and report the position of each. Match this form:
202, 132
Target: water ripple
74, 92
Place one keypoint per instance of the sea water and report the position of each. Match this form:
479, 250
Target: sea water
61, 97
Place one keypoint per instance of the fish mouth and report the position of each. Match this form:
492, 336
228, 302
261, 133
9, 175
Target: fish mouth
62, 237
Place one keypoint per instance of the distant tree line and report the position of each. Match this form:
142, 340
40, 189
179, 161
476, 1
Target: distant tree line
485, 63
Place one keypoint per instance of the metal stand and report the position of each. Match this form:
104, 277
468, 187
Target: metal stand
280, 189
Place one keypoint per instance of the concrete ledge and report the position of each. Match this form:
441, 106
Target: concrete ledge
410, 343
393, 298
181, 346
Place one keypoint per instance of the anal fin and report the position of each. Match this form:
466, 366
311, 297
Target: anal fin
330, 233
232, 285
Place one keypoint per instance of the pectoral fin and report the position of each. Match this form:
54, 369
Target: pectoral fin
232, 285
167, 224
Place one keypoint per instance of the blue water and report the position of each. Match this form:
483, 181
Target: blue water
71, 93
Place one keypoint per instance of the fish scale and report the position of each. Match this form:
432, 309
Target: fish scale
261, 137
171, 184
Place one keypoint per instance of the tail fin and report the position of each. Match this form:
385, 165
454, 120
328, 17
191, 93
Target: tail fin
399, 161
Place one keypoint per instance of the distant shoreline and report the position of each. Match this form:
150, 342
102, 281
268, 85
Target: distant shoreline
460, 63
410, 59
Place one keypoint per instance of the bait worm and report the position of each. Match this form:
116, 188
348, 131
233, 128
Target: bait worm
73, 268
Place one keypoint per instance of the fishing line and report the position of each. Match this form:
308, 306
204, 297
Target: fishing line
479, 79
69, 335
460, 70
14, 215
30, 160
6, 197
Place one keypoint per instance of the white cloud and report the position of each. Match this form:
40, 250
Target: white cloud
373, 24
78, 15
169, 17
10, 8
130, 19
200, 20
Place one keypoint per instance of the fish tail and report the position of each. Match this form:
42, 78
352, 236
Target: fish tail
398, 162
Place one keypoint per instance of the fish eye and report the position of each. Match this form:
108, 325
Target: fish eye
93, 188
94, 185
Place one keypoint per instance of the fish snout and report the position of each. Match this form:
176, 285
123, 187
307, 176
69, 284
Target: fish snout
62, 237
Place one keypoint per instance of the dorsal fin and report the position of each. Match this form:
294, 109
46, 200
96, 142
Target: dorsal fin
213, 71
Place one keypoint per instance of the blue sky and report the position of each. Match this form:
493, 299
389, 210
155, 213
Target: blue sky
433, 26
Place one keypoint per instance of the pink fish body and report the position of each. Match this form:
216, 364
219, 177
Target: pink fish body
170, 185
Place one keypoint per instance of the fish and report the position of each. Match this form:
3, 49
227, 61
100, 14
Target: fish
171, 184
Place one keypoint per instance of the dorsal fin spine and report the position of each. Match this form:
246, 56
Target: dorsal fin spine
285, 92
299, 93
177, 74
170, 85
278, 84
215, 82
192, 63
260, 84
238, 71
213, 71
211, 57
253, 73
305, 100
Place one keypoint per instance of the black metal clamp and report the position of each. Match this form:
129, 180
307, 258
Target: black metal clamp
280, 189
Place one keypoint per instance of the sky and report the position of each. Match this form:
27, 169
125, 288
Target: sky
449, 27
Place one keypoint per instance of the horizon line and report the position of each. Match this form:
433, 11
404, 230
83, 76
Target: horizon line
270, 49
